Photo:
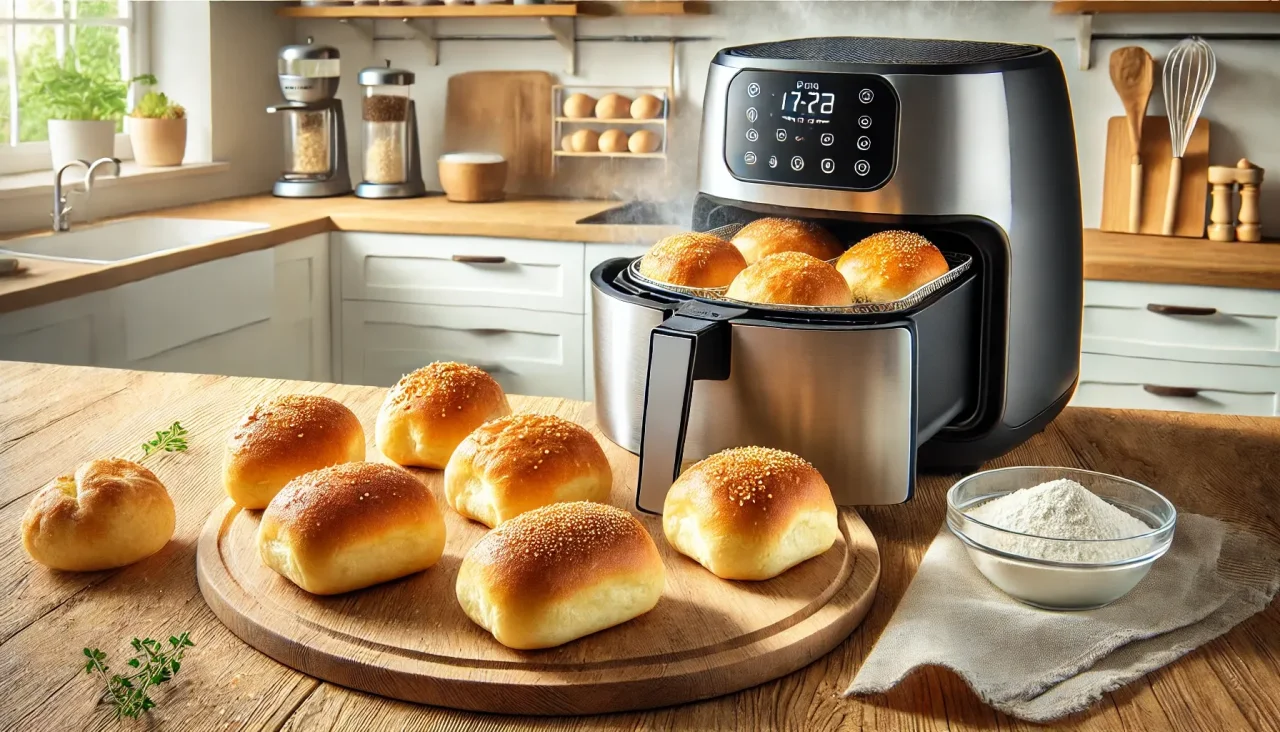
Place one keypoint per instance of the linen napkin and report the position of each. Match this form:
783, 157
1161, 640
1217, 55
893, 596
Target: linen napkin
1040, 665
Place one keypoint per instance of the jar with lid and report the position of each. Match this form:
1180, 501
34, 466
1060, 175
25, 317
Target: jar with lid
390, 155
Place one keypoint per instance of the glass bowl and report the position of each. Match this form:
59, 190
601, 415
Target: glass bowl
1016, 562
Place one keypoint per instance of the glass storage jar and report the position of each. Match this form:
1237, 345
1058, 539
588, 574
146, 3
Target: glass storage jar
306, 142
385, 115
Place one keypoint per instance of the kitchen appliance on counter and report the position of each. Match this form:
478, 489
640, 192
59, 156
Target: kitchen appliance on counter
315, 138
392, 156
970, 144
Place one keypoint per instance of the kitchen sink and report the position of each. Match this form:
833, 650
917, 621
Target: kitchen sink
121, 241
642, 213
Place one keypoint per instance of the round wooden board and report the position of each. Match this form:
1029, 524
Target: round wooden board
409, 639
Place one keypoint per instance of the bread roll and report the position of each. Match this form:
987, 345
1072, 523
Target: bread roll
763, 237
579, 106
790, 278
750, 513
558, 573
613, 106
890, 265
613, 141
350, 526
519, 463
586, 141
566, 143
646, 106
284, 437
111, 513
428, 412
644, 141
692, 260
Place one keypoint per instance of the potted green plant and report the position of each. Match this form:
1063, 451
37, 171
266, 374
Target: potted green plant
84, 109
157, 128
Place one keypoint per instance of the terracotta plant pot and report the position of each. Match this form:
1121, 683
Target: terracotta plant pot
85, 140
158, 143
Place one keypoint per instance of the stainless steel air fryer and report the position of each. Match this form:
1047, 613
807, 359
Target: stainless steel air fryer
970, 144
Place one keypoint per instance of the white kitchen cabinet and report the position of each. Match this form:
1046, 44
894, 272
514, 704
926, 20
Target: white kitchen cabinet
594, 255
290, 342
1180, 347
462, 270
154, 325
528, 352
69, 332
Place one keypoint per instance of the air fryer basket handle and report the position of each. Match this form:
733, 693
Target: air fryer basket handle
681, 350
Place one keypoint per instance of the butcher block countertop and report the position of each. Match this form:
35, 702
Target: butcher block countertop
56, 417
1107, 256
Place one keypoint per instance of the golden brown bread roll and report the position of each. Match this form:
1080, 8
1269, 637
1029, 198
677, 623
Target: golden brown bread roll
351, 526
692, 260
646, 106
560, 572
613, 141
284, 437
613, 106
763, 237
579, 106
585, 141
644, 141
428, 412
890, 265
750, 513
522, 462
790, 278
111, 513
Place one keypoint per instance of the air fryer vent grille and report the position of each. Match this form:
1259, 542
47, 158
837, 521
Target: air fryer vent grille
911, 51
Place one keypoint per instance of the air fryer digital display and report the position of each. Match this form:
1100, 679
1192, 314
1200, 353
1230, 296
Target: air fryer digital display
812, 129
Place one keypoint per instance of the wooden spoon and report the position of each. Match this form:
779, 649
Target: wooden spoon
1133, 75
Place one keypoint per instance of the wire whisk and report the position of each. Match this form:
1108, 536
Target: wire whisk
1188, 74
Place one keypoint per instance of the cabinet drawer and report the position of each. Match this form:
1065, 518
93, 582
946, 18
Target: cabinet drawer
1184, 323
531, 353
462, 270
1142, 383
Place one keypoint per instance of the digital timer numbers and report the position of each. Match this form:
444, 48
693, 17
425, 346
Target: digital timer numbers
805, 102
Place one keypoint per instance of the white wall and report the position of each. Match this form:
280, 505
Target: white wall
235, 44
1244, 104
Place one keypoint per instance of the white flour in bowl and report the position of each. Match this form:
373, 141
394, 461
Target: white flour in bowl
1060, 509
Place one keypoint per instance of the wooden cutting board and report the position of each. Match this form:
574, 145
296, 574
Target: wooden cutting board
410, 640
506, 112
1156, 154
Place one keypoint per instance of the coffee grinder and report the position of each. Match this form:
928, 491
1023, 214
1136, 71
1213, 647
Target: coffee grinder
315, 140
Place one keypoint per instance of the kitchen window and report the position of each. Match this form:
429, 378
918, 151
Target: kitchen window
105, 36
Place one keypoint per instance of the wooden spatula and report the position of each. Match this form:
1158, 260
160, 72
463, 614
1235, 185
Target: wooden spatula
1133, 75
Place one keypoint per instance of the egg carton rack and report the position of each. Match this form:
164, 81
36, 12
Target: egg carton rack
563, 125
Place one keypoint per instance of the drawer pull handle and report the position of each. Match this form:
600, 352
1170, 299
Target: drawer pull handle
1180, 310
479, 259
1184, 392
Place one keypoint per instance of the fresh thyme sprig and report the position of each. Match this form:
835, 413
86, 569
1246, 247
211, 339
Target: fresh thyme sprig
173, 439
153, 665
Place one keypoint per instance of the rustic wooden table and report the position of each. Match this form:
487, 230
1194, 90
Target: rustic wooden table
54, 417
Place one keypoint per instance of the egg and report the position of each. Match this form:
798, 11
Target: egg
613, 106
586, 141
644, 141
613, 141
579, 106
566, 143
646, 106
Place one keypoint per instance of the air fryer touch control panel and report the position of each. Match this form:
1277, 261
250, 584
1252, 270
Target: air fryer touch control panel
818, 130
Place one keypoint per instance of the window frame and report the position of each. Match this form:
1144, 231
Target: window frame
27, 157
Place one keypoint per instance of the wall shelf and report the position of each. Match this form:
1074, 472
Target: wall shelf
553, 10
1073, 7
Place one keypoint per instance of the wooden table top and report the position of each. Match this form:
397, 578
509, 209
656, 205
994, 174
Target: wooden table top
55, 417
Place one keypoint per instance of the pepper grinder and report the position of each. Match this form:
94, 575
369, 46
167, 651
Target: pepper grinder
1249, 176
1221, 215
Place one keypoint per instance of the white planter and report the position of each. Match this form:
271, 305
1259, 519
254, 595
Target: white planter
80, 140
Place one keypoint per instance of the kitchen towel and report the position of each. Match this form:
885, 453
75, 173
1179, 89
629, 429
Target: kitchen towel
1040, 665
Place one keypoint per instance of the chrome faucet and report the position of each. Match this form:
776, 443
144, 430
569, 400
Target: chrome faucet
61, 209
